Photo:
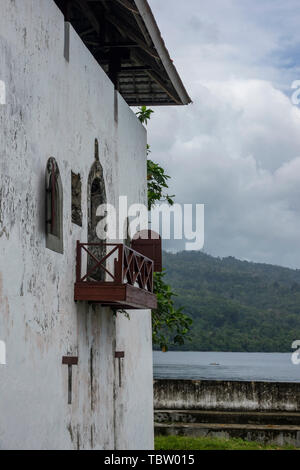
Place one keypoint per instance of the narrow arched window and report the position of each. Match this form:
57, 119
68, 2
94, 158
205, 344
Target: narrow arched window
96, 197
54, 207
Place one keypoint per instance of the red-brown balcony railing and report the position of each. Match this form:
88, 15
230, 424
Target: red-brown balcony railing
115, 275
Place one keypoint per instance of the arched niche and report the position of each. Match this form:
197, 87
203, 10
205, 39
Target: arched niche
54, 207
96, 196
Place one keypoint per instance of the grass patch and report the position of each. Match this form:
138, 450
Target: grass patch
211, 443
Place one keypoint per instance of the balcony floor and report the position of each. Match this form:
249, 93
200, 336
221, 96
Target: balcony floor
121, 296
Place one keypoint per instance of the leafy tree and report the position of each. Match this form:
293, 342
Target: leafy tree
156, 176
170, 326
157, 182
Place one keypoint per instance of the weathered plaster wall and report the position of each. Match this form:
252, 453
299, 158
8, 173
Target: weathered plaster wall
134, 420
226, 395
57, 108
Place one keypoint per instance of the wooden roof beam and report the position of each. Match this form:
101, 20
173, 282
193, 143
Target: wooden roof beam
158, 80
154, 74
158, 42
126, 30
116, 45
141, 25
139, 57
138, 68
87, 31
126, 4
89, 14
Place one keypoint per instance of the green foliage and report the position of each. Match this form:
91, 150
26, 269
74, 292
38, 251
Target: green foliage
212, 443
156, 176
157, 182
170, 325
144, 114
235, 305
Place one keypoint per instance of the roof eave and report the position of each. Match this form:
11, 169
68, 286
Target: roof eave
154, 32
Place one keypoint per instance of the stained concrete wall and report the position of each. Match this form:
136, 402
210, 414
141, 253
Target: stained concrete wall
57, 108
226, 395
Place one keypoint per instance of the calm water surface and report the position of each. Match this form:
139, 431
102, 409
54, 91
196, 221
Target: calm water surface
274, 367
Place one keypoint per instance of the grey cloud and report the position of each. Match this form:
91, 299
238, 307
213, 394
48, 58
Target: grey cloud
237, 148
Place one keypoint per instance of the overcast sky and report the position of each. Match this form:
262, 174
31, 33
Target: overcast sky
237, 147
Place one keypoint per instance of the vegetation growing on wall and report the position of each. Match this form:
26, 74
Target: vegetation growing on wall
170, 326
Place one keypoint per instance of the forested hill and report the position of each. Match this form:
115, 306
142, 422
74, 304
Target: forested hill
236, 305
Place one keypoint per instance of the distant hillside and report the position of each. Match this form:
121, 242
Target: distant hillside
236, 305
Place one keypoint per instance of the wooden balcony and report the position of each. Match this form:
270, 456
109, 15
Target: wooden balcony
120, 278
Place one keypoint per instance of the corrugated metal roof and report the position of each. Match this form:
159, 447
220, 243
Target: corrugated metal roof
124, 38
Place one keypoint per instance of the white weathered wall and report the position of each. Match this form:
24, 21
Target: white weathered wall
55, 108
134, 416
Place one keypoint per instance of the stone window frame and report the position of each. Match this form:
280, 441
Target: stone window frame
76, 199
54, 241
96, 174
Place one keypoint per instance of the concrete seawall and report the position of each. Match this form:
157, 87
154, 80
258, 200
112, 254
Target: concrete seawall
267, 412
226, 395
